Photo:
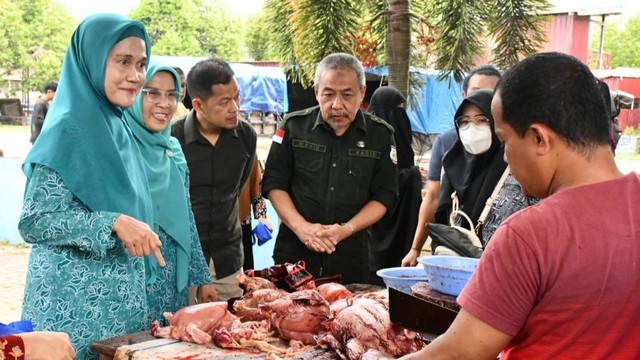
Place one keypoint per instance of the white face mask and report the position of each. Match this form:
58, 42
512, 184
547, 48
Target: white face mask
476, 139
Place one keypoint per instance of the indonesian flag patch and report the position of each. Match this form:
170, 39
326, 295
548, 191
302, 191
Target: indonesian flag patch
278, 136
393, 154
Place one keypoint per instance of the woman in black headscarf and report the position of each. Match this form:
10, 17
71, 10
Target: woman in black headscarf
387, 103
474, 164
393, 234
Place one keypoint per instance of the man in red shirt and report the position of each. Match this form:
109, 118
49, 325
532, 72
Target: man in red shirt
558, 280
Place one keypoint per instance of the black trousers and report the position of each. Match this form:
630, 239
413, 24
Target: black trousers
247, 246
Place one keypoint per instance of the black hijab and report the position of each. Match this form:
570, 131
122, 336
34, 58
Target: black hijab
473, 177
392, 235
384, 104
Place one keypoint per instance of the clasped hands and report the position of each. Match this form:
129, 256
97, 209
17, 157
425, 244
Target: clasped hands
322, 238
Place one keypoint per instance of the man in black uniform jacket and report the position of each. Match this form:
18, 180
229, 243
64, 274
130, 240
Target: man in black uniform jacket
330, 174
220, 151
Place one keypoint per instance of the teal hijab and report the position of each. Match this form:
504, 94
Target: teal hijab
166, 172
85, 139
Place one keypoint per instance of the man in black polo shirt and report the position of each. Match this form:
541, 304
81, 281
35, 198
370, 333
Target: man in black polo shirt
220, 151
330, 174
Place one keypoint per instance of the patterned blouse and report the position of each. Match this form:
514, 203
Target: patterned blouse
81, 280
510, 199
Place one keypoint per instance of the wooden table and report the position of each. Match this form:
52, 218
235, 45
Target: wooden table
142, 345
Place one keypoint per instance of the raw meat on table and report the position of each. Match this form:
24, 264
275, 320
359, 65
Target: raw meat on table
299, 316
247, 308
196, 323
361, 323
334, 291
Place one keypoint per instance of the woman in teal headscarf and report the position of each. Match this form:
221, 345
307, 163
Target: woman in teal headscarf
87, 202
166, 170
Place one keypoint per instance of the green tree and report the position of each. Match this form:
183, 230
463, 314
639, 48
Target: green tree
317, 28
620, 41
190, 28
11, 39
51, 31
34, 36
256, 38
219, 33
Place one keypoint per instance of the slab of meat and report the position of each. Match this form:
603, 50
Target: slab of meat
362, 323
252, 283
196, 323
299, 316
247, 308
334, 291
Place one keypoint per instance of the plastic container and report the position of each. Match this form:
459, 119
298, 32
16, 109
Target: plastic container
448, 274
402, 278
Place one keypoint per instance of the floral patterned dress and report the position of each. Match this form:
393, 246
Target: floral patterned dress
162, 294
81, 280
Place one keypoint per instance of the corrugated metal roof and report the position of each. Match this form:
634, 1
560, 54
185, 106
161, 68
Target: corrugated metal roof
586, 7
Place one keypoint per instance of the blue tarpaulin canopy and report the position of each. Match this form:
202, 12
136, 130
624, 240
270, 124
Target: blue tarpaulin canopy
261, 88
265, 89
437, 103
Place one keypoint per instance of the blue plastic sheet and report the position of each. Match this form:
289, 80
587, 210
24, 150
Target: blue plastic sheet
16, 327
438, 101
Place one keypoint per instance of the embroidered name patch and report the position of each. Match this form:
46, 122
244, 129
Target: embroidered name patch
365, 153
309, 146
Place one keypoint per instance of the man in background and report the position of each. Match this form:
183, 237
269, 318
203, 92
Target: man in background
220, 151
41, 108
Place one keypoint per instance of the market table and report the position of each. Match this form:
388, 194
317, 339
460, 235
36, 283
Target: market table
143, 345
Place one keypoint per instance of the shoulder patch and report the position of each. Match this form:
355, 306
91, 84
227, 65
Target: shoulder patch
393, 154
295, 114
278, 136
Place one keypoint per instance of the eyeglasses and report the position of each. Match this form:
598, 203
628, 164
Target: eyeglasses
156, 96
463, 122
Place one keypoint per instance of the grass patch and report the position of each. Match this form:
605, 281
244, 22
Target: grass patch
22, 245
14, 129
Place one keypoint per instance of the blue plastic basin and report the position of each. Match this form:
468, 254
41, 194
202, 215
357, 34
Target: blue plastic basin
448, 274
402, 278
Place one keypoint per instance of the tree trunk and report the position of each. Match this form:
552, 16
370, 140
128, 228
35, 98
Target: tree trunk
398, 44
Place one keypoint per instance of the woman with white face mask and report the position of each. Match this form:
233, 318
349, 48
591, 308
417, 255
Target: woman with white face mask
474, 164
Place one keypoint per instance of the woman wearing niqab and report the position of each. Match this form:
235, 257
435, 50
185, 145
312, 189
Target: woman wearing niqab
392, 235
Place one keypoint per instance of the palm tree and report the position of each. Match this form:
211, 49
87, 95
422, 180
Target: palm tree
398, 44
304, 31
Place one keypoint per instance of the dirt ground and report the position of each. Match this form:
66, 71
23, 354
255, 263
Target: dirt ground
14, 260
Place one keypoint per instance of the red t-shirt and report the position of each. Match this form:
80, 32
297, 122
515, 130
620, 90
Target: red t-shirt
563, 277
